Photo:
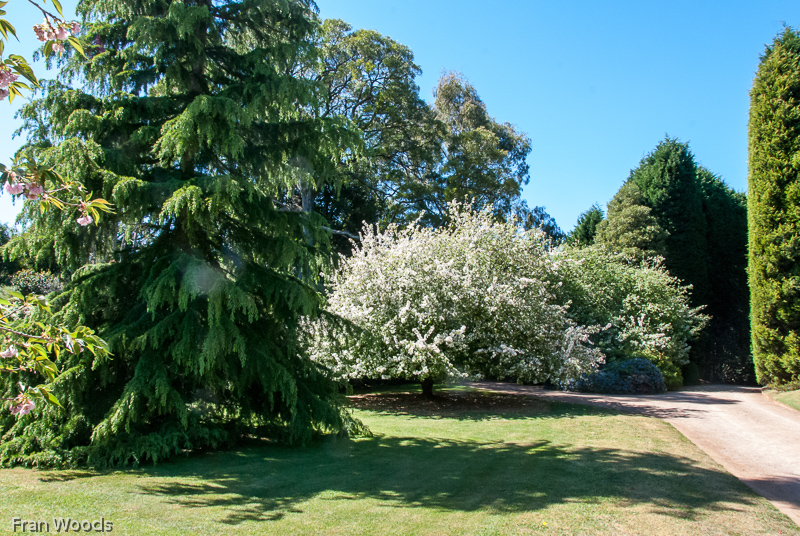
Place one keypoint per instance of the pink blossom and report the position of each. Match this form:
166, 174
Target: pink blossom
3, 93
24, 408
41, 30
62, 32
35, 189
14, 188
58, 47
7, 76
9, 352
85, 219
75, 28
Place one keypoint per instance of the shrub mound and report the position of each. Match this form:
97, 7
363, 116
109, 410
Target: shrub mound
636, 376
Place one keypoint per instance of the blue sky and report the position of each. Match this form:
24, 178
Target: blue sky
595, 85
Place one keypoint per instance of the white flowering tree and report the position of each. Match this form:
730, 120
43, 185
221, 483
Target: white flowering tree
473, 298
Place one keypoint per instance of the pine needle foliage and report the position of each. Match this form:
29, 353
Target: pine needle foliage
190, 120
774, 211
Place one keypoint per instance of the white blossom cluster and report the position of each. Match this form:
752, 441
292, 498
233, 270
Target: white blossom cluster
646, 311
476, 297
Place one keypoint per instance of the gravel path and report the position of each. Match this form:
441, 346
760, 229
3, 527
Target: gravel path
754, 438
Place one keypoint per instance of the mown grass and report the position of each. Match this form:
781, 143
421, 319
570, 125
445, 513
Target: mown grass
790, 398
469, 463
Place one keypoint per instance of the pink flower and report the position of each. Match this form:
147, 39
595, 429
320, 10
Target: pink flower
75, 28
9, 352
14, 188
62, 32
3, 93
35, 189
24, 408
58, 47
7, 76
41, 30
85, 219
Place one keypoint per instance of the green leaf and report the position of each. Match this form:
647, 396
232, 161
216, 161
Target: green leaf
48, 396
57, 5
77, 45
8, 27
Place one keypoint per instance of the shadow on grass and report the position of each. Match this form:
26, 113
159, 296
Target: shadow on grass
268, 483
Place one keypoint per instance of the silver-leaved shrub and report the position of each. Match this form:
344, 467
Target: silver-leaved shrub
476, 297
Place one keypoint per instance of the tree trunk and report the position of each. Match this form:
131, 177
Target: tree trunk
427, 388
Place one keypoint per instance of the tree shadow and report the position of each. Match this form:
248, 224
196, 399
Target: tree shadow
270, 482
471, 405
69, 475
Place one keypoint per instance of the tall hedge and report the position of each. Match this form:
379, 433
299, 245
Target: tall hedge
774, 211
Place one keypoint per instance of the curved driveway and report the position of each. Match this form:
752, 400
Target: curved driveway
754, 438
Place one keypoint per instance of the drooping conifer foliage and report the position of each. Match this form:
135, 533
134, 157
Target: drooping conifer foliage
192, 123
774, 211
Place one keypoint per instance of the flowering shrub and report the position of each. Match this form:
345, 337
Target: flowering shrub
31, 282
629, 377
473, 298
645, 311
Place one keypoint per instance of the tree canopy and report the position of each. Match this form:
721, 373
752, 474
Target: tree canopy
630, 226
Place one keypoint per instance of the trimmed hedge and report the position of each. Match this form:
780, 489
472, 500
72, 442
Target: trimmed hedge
774, 211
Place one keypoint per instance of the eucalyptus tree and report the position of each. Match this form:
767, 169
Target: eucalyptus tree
369, 79
483, 161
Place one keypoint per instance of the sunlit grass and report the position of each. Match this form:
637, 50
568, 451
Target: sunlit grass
790, 398
467, 464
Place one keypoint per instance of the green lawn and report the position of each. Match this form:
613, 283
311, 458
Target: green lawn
790, 398
468, 464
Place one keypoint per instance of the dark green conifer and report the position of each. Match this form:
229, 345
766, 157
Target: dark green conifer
192, 123
585, 230
667, 179
774, 211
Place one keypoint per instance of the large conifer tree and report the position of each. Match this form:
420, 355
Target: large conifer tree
774, 211
191, 122
667, 178
705, 247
